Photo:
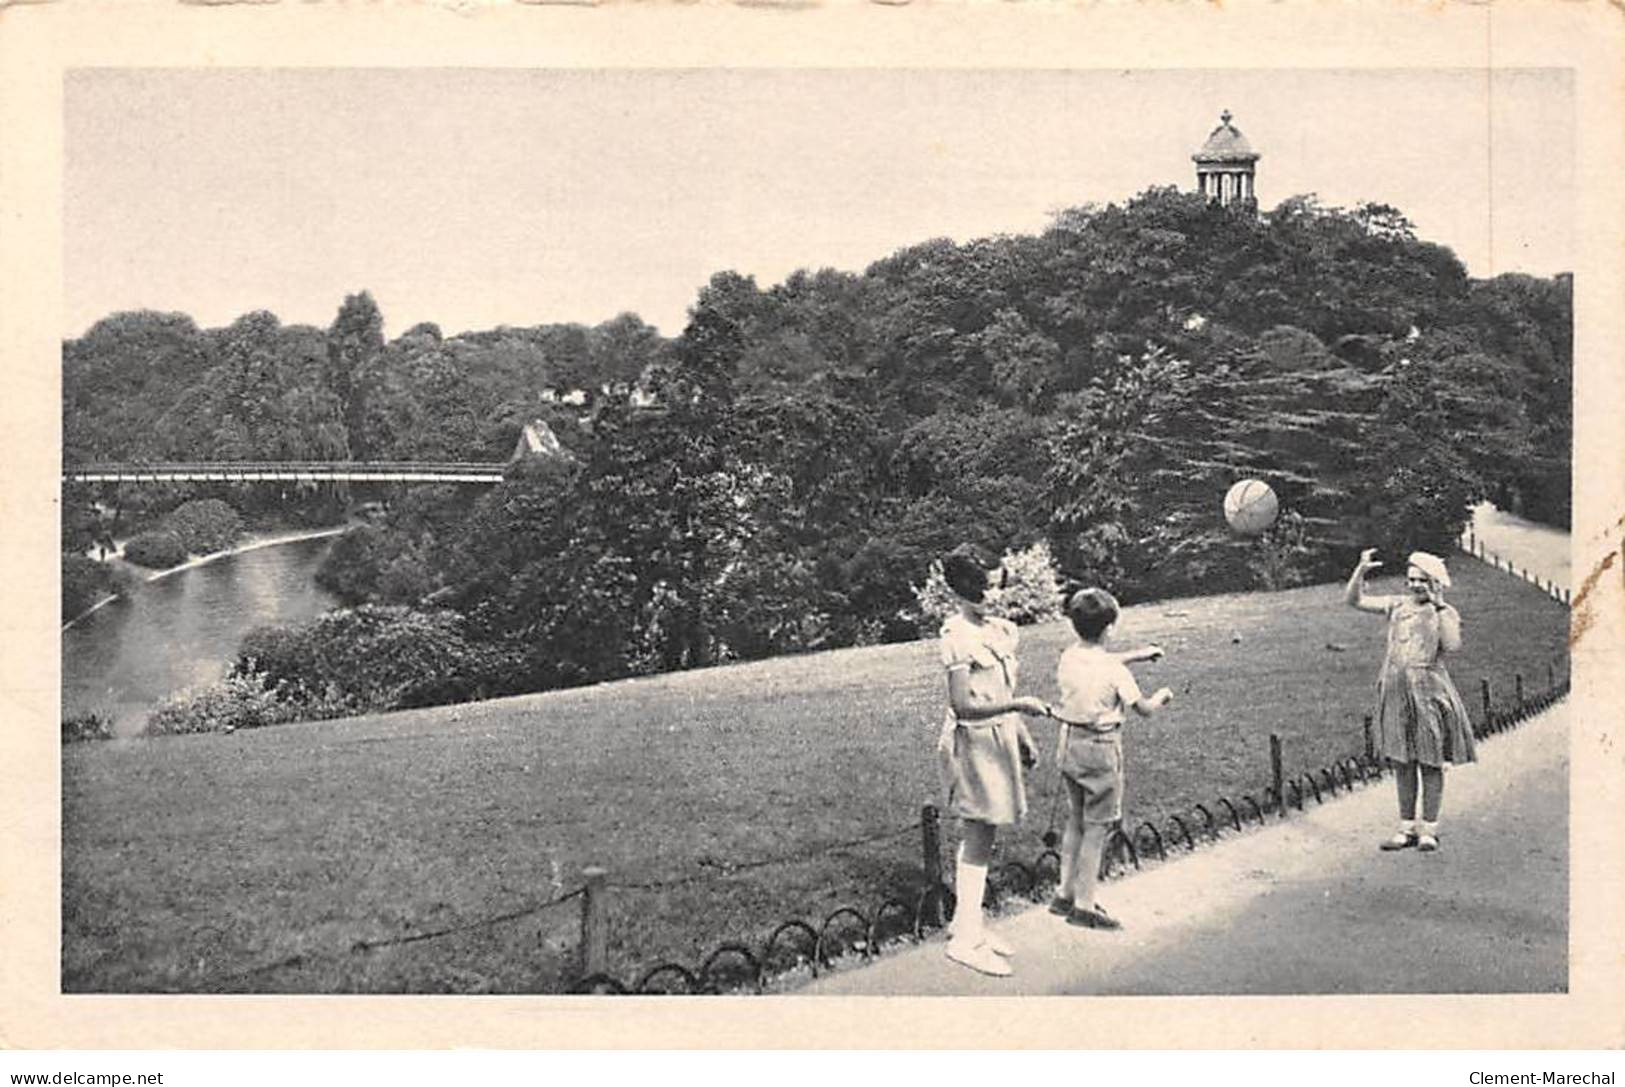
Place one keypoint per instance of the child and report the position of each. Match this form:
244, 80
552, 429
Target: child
1421, 721
1097, 689
982, 751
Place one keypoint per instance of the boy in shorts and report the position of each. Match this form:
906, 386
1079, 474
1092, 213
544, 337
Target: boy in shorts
1097, 690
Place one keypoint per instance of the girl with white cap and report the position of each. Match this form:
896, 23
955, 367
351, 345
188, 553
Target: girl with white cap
1421, 720
982, 751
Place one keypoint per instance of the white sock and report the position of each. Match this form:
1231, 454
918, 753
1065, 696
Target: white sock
970, 881
1430, 829
1407, 826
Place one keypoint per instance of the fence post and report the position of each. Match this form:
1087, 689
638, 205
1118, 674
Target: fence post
594, 923
1370, 741
1275, 773
1517, 681
1489, 709
931, 843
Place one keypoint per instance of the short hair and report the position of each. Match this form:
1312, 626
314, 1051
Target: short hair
1091, 612
965, 576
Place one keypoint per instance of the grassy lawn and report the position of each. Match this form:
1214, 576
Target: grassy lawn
191, 862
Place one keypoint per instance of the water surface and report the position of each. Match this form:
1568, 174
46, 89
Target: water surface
183, 630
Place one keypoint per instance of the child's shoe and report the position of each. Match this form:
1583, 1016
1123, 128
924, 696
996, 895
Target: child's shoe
979, 957
1095, 918
1060, 907
1404, 837
1427, 837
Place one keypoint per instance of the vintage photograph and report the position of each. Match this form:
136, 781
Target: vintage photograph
799, 531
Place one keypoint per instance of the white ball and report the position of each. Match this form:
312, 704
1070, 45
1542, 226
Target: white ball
1250, 507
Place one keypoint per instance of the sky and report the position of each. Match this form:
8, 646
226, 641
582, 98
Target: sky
475, 198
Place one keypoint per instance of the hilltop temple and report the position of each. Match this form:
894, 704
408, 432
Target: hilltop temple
1225, 165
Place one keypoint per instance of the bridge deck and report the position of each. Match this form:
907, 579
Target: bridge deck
291, 472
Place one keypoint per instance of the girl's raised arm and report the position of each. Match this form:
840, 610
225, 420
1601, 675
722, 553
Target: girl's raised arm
1354, 593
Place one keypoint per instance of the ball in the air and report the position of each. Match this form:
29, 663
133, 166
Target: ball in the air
1250, 507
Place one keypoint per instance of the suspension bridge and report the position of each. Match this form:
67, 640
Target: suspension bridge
289, 472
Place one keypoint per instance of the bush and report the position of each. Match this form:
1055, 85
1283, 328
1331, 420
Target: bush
241, 700
82, 727
1031, 592
351, 566
205, 525
84, 582
1032, 588
156, 550
376, 565
284, 655
774, 605
370, 659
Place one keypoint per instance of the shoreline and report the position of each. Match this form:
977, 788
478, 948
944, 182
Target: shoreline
254, 543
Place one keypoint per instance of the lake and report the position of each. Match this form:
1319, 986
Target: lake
183, 631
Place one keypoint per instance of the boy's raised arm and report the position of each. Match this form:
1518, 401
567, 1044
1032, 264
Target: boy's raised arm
1148, 652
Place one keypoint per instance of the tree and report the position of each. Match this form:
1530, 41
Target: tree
122, 379
622, 350
1529, 323
248, 382
354, 342
1023, 365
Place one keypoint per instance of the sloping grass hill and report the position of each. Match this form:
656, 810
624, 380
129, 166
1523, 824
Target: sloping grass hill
404, 853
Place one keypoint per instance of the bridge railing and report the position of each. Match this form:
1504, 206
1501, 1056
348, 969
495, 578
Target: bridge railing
478, 471
242, 465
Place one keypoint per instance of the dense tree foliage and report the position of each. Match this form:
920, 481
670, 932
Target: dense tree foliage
780, 475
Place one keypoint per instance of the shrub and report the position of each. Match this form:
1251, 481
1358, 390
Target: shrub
390, 657
405, 579
350, 568
241, 700
156, 550
1031, 592
1279, 561
82, 727
376, 565
205, 525
284, 655
774, 605
1032, 587
372, 658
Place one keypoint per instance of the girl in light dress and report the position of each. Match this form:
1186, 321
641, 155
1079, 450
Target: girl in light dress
982, 751
1422, 723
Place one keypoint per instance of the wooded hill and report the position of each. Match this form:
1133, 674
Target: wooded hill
779, 475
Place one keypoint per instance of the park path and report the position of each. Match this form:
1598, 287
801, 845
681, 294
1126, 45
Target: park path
1309, 904
1540, 549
